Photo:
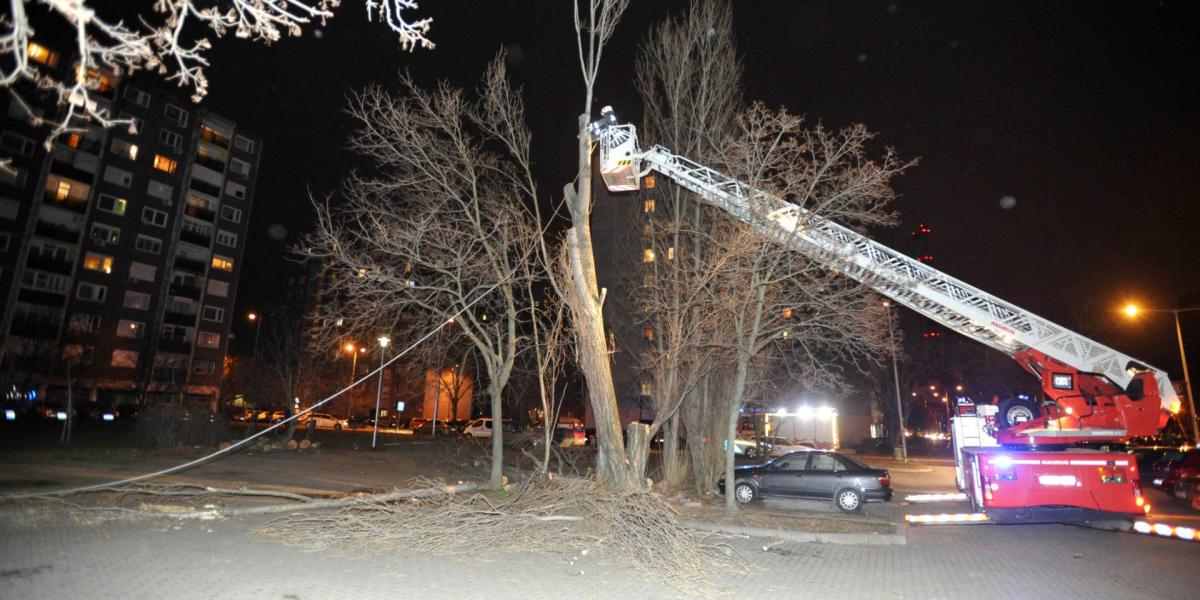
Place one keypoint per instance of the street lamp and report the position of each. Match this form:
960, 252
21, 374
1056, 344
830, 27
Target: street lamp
1132, 311
896, 380
253, 318
383, 344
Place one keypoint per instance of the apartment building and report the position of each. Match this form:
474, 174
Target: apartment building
120, 248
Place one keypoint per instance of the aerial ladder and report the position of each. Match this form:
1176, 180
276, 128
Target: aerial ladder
1093, 394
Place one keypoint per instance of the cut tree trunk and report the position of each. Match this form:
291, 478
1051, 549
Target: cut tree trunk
586, 304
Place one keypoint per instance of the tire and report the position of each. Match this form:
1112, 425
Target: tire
849, 500
752, 452
467, 435
1015, 411
337, 426
744, 493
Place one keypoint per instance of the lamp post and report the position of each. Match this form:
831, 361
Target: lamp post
383, 344
253, 317
1132, 311
896, 380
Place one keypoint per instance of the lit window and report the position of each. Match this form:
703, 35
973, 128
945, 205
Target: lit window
647, 388
164, 164
111, 204
205, 339
648, 255
73, 140
671, 253
787, 313
648, 333
648, 205
42, 54
124, 149
131, 329
222, 263
98, 81
98, 262
63, 191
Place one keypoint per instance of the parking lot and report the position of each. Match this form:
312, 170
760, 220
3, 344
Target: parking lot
225, 559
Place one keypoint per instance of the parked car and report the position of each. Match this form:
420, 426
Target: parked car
426, 427
750, 448
780, 446
813, 474
478, 428
1187, 491
1173, 467
325, 420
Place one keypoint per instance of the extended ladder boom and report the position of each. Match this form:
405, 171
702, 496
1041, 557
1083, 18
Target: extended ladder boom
940, 297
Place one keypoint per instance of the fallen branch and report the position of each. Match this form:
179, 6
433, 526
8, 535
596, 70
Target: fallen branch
329, 504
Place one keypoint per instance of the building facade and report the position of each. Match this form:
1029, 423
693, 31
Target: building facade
121, 246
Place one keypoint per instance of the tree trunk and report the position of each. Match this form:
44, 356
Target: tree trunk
673, 460
739, 388
586, 306
497, 436
637, 448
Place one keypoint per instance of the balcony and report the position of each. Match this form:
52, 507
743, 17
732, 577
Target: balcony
175, 344
71, 204
203, 214
58, 232
205, 187
34, 327
41, 297
189, 264
185, 290
49, 264
195, 237
70, 171
214, 137
210, 162
186, 319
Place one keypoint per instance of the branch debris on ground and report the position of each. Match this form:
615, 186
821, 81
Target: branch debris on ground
574, 517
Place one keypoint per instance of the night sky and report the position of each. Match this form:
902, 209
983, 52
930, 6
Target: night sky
1084, 112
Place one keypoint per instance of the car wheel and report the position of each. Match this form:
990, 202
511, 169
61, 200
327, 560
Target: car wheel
1015, 411
752, 452
744, 492
848, 500
337, 426
467, 435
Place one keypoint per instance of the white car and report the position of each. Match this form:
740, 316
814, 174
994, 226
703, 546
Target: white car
325, 421
479, 428
748, 448
780, 446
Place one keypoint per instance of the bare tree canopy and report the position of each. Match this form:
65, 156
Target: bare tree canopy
169, 41
441, 235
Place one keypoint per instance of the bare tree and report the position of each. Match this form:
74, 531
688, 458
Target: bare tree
163, 42
286, 357
780, 310
595, 22
443, 234
689, 79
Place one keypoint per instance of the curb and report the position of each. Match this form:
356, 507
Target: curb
856, 539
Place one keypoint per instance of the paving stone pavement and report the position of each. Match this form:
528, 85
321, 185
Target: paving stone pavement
223, 559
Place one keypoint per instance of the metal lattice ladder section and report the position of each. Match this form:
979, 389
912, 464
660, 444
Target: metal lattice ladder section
936, 295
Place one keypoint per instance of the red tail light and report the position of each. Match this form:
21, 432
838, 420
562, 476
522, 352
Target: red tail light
885, 480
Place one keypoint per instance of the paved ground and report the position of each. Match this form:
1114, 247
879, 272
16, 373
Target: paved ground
224, 559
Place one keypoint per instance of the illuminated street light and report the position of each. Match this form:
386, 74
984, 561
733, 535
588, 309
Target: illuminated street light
383, 344
1132, 311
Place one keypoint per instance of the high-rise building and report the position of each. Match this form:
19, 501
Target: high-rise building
120, 248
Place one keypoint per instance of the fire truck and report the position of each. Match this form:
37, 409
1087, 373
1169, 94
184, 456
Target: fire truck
1019, 460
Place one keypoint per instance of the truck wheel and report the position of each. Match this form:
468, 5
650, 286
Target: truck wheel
1015, 411
848, 500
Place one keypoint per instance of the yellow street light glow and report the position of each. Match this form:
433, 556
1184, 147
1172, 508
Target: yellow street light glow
349, 347
1131, 310
252, 316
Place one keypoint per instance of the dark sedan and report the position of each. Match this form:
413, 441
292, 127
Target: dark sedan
814, 474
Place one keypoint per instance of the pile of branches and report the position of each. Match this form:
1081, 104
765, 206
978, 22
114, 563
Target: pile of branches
572, 516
